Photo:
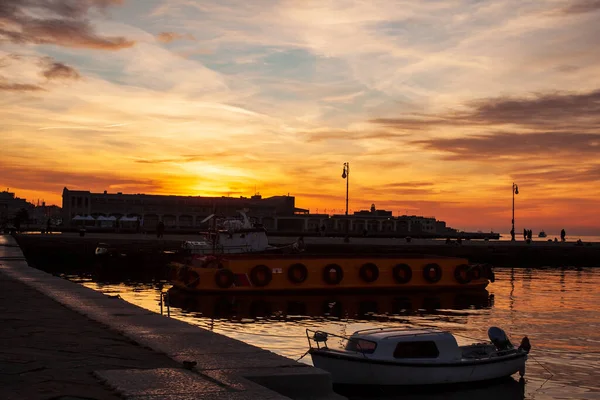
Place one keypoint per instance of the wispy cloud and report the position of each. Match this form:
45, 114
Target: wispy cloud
502, 145
58, 70
18, 87
168, 37
61, 22
543, 111
582, 6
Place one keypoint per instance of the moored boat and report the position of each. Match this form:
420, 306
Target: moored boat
415, 357
302, 272
229, 236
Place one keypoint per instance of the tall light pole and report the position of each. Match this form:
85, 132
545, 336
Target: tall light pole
346, 176
515, 190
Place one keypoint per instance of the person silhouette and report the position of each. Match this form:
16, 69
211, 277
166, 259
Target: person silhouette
562, 235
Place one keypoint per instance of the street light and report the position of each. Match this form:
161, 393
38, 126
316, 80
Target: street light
346, 176
515, 190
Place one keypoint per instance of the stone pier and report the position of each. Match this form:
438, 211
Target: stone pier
60, 340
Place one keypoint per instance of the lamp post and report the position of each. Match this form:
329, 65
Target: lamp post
346, 176
515, 190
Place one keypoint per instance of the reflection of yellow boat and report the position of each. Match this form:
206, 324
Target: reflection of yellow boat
291, 272
362, 306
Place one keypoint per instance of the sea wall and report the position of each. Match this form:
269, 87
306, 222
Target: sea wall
147, 253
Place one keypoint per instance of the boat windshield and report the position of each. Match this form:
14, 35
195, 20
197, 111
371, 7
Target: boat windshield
361, 346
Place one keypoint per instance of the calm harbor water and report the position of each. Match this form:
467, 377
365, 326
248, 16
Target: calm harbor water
558, 309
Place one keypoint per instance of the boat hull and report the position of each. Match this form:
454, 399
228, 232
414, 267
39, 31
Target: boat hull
356, 371
322, 273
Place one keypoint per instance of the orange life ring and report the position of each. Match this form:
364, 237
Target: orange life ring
181, 274
261, 275
402, 273
432, 273
224, 278
369, 272
172, 272
462, 274
297, 273
192, 279
476, 272
488, 272
333, 274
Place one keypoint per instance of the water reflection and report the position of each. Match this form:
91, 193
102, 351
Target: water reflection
556, 308
241, 308
504, 389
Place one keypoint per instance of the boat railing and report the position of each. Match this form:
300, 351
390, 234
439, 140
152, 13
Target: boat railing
392, 329
320, 340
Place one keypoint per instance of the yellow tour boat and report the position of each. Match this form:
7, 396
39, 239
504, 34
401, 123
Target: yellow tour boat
312, 272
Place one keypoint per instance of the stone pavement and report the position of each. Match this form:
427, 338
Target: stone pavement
48, 350
60, 340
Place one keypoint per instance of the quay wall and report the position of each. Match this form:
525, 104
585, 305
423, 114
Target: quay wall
147, 253
208, 365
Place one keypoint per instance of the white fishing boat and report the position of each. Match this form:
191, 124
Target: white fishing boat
415, 357
229, 236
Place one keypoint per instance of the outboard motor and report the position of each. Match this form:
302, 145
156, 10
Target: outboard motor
499, 338
525, 345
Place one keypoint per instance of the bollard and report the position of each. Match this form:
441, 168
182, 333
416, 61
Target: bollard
168, 304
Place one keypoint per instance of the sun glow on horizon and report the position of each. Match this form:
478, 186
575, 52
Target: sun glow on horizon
438, 107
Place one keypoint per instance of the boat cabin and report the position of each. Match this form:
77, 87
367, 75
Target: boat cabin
230, 236
402, 343
226, 241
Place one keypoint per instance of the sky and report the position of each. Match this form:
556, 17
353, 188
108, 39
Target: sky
438, 106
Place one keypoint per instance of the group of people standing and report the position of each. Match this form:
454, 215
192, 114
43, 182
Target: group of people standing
528, 234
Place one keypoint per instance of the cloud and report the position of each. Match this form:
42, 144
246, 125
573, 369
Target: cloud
318, 135
51, 180
558, 174
183, 159
571, 146
544, 111
19, 87
57, 70
59, 22
168, 37
581, 7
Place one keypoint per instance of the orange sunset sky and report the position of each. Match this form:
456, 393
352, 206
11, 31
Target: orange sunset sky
438, 106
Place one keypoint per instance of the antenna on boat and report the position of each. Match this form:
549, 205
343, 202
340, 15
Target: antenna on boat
216, 236
207, 218
247, 223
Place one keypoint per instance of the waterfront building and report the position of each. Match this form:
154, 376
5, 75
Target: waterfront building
179, 212
277, 214
372, 221
10, 205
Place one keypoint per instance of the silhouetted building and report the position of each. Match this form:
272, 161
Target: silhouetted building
10, 205
372, 220
184, 212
